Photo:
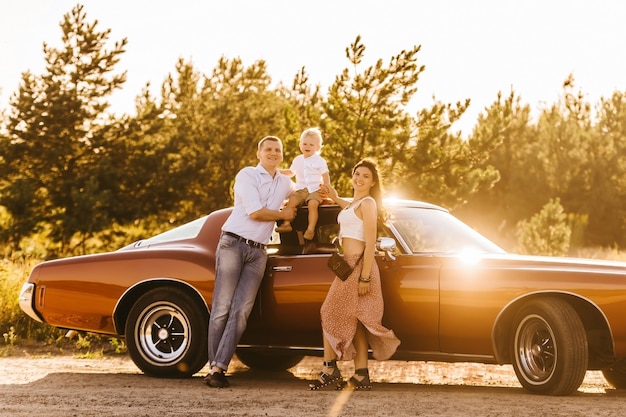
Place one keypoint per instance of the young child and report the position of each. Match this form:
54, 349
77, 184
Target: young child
311, 172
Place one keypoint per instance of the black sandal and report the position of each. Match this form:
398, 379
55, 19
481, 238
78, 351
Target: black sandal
327, 379
363, 384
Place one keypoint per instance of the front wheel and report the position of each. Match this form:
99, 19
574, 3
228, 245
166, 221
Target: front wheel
166, 333
549, 347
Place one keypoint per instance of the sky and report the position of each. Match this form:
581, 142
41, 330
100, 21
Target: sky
470, 49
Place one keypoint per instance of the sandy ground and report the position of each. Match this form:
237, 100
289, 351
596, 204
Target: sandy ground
62, 386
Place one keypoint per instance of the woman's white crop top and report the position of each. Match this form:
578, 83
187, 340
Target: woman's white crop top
350, 225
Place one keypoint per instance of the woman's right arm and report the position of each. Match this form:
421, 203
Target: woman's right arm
332, 194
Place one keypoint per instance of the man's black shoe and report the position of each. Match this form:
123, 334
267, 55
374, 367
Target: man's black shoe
216, 380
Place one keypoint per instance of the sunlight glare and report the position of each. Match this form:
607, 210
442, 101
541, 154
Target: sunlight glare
470, 256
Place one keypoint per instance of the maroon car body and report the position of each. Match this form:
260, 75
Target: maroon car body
450, 295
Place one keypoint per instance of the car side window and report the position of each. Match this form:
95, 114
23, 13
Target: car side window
327, 233
420, 236
437, 231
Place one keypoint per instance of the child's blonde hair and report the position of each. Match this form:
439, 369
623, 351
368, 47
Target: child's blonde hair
313, 132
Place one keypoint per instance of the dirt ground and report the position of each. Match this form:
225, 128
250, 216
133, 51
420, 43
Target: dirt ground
62, 386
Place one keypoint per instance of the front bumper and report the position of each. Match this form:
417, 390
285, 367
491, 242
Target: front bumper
26, 301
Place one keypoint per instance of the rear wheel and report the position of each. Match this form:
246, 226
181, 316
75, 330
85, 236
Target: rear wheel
549, 347
166, 333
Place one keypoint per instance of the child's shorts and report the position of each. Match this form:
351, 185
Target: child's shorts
303, 195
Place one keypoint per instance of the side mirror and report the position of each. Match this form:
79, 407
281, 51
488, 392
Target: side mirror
387, 245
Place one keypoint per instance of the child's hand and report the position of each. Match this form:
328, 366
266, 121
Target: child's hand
332, 194
324, 191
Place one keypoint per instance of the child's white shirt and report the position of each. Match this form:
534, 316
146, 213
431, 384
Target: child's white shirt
309, 171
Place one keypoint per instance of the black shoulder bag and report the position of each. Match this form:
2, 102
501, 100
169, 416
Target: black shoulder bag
340, 267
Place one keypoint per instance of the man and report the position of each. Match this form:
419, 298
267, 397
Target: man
241, 257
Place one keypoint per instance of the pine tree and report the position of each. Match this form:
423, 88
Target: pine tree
547, 232
56, 135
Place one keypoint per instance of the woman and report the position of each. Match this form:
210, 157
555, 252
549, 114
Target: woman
353, 309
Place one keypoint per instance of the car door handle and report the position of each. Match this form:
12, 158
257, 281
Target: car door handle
281, 268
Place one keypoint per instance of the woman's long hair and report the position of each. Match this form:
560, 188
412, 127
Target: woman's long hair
377, 189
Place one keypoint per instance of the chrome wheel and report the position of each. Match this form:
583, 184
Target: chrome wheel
166, 332
163, 333
536, 352
549, 347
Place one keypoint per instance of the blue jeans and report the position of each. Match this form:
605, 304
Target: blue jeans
239, 270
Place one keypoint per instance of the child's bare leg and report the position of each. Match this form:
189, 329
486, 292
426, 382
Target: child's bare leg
286, 225
309, 233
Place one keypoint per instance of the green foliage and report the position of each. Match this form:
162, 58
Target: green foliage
364, 116
442, 167
562, 155
183, 151
10, 337
55, 136
547, 232
74, 180
501, 139
119, 345
607, 198
241, 108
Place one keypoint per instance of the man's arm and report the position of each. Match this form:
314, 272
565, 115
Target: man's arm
267, 215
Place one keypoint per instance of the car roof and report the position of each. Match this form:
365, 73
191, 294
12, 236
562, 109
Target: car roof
399, 202
411, 203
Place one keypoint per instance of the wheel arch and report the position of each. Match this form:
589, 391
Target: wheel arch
599, 335
132, 294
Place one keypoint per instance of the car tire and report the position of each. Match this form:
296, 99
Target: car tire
166, 333
268, 360
549, 347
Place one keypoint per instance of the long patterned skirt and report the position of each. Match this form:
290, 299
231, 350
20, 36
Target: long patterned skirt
343, 309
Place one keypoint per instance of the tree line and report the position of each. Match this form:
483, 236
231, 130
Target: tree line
72, 171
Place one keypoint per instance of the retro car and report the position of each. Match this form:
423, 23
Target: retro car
450, 295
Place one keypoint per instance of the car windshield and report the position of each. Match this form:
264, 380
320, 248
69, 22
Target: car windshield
186, 231
426, 230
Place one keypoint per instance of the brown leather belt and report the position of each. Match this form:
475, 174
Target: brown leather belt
246, 241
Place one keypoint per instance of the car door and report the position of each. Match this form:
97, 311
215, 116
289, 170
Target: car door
287, 311
410, 286
295, 290
468, 306
296, 287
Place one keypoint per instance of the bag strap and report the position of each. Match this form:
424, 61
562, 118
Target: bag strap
337, 246
360, 257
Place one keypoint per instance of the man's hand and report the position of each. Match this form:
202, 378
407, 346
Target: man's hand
288, 213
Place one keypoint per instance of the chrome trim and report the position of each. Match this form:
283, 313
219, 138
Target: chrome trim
281, 268
26, 301
398, 236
